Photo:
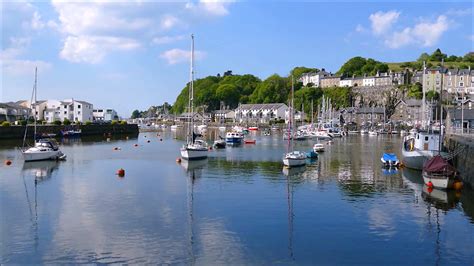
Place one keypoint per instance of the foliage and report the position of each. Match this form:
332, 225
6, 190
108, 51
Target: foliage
123, 122
297, 72
469, 57
66, 122
415, 91
57, 122
359, 66
5, 124
88, 123
305, 95
114, 122
22, 122
438, 56
272, 90
135, 114
340, 96
432, 95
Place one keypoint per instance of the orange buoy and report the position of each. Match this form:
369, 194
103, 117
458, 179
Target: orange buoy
429, 184
430, 189
8, 162
178, 160
120, 172
457, 185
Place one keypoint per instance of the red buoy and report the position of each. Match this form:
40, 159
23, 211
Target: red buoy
178, 160
430, 189
115, 148
8, 162
136, 145
429, 184
120, 172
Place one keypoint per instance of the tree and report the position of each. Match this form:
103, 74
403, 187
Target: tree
452, 58
432, 95
66, 122
423, 57
297, 72
228, 73
352, 67
437, 55
229, 94
415, 91
469, 57
135, 114
271, 90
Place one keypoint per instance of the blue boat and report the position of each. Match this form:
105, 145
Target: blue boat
312, 154
390, 160
234, 138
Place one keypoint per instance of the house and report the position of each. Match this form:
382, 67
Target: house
52, 110
104, 115
12, 112
432, 78
383, 79
329, 81
368, 81
417, 77
460, 81
461, 119
369, 115
260, 113
223, 115
314, 78
347, 82
185, 117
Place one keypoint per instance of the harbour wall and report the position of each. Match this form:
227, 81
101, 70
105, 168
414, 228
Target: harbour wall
464, 161
17, 132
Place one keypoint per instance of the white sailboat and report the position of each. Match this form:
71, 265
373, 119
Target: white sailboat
193, 149
292, 158
44, 149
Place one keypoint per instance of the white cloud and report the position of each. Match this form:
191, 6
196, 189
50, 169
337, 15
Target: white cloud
169, 21
383, 21
12, 65
360, 28
168, 39
93, 49
211, 7
175, 56
424, 33
36, 22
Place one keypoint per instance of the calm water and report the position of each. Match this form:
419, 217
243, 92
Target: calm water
237, 207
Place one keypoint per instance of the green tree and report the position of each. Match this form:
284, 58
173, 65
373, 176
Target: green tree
469, 57
272, 90
423, 57
437, 55
66, 122
135, 114
353, 66
297, 72
415, 91
432, 95
229, 94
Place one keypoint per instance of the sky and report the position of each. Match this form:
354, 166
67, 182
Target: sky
129, 55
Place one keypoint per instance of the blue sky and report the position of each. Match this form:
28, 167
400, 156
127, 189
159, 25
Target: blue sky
131, 55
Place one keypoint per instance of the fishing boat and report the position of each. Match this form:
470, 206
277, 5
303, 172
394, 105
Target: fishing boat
318, 147
234, 138
373, 133
438, 173
390, 160
292, 158
193, 149
43, 149
419, 148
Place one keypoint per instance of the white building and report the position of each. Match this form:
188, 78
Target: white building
345, 82
368, 81
104, 115
314, 78
52, 110
260, 113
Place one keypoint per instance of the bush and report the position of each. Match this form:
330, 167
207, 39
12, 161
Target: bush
22, 122
57, 122
88, 123
114, 122
5, 124
78, 123
123, 122
66, 122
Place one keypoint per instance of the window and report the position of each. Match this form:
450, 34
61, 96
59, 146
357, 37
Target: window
65, 106
426, 138
461, 78
461, 84
78, 106
78, 112
65, 112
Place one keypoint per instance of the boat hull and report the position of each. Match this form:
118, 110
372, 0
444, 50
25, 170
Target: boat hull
416, 159
233, 140
42, 156
193, 154
290, 162
438, 182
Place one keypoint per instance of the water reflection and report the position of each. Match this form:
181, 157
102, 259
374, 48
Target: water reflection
42, 170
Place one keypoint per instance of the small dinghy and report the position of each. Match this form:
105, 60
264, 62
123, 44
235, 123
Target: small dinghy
438, 173
250, 141
312, 155
390, 160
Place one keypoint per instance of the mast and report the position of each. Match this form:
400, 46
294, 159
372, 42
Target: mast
441, 109
190, 138
423, 99
312, 113
35, 88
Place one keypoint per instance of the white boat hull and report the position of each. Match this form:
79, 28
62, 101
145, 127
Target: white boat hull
193, 154
416, 159
41, 156
442, 183
290, 162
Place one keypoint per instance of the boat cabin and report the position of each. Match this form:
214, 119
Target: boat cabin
426, 141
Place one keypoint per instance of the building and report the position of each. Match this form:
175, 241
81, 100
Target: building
459, 81
12, 112
330, 81
185, 117
260, 113
417, 77
223, 116
432, 79
383, 79
104, 115
369, 115
368, 81
461, 119
54, 110
314, 78
347, 82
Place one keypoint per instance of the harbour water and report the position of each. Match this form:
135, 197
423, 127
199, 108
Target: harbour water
240, 206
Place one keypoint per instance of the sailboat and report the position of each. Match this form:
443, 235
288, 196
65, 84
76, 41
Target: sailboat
292, 158
44, 149
193, 149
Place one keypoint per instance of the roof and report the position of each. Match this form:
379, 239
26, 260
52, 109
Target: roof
456, 114
414, 102
12, 105
369, 110
331, 77
261, 106
222, 111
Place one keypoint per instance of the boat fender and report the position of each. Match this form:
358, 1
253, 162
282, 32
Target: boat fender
148, 141
136, 145
120, 172
458, 185
429, 184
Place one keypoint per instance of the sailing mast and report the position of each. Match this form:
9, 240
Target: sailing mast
423, 99
34, 105
190, 137
441, 109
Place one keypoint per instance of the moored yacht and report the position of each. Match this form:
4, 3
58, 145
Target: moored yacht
44, 149
419, 148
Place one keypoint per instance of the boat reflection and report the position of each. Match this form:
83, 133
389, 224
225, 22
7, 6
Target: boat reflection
193, 165
293, 171
42, 170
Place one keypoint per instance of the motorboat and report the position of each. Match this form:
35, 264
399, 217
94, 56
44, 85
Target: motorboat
364, 131
71, 133
438, 173
219, 144
334, 133
373, 133
311, 154
403, 132
390, 160
44, 149
266, 133
320, 134
318, 147
419, 148
294, 158
234, 138
253, 128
